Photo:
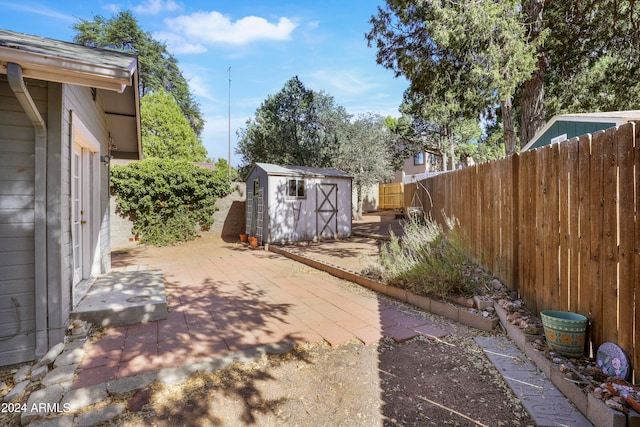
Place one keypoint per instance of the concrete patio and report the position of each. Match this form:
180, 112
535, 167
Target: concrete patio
229, 298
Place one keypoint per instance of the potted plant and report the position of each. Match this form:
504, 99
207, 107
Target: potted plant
565, 331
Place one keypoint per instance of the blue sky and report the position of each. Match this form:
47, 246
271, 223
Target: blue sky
264, 42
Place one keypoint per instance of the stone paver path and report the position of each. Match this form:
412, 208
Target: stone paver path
239, 299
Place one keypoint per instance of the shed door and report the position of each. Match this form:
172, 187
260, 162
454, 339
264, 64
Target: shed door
327, 210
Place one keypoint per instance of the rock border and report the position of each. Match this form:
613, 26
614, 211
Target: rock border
431, 305
55, 403
592, 408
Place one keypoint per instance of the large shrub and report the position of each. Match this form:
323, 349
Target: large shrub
168, 200
428, 260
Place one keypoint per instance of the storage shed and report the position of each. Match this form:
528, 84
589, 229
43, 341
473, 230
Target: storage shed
297, 203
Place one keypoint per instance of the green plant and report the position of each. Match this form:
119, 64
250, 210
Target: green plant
168, 200
428, 260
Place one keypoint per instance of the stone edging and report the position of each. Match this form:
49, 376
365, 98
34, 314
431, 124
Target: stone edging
440, 308
592, 408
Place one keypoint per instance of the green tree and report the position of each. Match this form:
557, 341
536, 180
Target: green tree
366, 155
593, 55
296, 126
168, 200
589, 61
460, 57
158, 68
166, 133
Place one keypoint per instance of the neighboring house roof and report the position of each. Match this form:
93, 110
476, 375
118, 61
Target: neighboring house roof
62, 62
578, 124
279, 170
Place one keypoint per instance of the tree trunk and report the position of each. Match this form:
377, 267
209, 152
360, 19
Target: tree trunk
507, 123
359, 201
532, 91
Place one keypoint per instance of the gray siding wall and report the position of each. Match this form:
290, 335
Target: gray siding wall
17, 186
17, 172
78, 104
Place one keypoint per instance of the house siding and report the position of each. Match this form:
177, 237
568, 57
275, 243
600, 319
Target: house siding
571, 128
17, 228
79, 105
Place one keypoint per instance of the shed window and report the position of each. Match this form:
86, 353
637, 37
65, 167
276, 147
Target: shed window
418, 159
296, 188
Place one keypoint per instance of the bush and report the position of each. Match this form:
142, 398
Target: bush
168, 200
427, 260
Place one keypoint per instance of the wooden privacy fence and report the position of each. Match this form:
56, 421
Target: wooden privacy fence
389, 196
559, 225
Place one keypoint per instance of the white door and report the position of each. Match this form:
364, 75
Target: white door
80, 212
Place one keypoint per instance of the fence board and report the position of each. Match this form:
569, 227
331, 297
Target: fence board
527, 226
573, 246
626, 235
515, 216
560, 225
541, 225
610, 236
596, 201
636, 256
390, 196
564, 203
551, 240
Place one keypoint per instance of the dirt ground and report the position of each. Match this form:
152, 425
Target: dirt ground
421, 382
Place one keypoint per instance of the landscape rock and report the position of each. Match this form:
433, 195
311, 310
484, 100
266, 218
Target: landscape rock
41, 403
61, 374
39, 373
16, 392
22, 374
69, 357
51, 355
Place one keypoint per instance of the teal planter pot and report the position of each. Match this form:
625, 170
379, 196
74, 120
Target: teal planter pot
564, 331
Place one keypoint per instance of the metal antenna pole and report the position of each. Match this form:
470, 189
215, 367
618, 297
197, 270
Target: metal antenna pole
229, 141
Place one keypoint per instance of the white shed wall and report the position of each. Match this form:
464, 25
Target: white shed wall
296, 219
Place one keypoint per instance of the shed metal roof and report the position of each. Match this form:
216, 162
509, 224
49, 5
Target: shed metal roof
272, 169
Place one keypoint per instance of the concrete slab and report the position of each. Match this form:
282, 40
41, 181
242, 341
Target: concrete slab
99, 416
129, 384
83, 397
124, 298
544, 402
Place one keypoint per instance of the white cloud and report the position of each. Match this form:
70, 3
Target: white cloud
154, 7
213, 27
40, 10
177, 44
345, 82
